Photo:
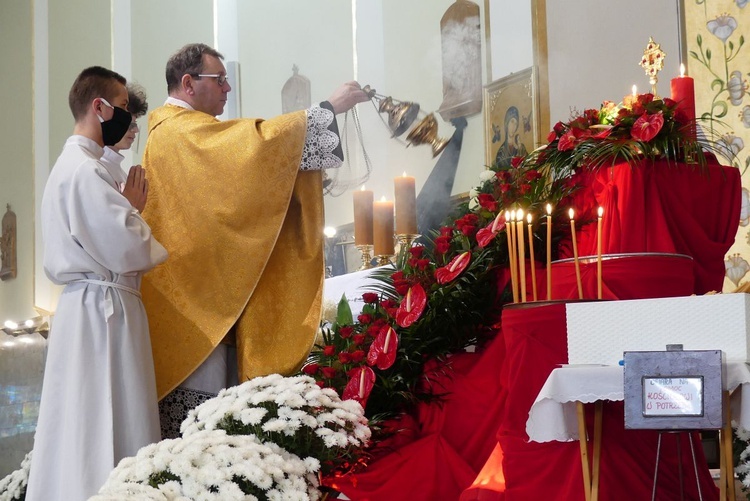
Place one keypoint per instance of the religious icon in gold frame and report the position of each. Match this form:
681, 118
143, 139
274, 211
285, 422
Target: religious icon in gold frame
511, 123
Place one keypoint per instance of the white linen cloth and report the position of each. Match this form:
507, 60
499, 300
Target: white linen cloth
553, 415
98, 401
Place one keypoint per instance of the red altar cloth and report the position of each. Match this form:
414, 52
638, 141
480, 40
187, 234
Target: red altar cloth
482, 424
663, 208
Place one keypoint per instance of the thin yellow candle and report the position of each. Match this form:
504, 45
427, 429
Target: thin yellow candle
549, 251
531, 257
571, 213
510, 228
521, 253
599, 254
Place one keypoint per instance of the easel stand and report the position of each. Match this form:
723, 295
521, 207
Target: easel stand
678, 436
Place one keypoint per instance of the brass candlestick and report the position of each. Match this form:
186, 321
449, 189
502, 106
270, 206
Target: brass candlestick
383, 260
406, 241
366, 251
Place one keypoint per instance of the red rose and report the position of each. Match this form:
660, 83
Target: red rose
468, 230
329, 372
329, 350
358, 356
364, 318
422, 264
388, 303
370, 297
442, 245
358, 339
551, 136
345, 357
446, 231
559, 128
516, 161
416, 251
310, 369
488, 202
346, 331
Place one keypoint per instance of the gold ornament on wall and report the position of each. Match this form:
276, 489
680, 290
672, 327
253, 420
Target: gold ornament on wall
8, 246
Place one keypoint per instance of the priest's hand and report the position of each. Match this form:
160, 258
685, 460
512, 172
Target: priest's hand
346, 96
136, 187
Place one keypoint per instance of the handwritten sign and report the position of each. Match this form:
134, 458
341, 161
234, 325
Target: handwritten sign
673, 396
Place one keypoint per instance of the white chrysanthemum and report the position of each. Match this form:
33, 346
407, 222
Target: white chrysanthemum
487, 175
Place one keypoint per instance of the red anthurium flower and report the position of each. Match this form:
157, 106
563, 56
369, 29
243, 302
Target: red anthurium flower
647, 126
487, 234
567, 141
453, 269
360, 385
411, 306
383, 350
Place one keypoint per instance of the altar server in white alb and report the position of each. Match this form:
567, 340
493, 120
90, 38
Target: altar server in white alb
99, 396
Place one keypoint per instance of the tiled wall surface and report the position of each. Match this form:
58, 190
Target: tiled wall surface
21, 370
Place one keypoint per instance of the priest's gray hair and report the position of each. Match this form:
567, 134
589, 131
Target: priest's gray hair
187, 61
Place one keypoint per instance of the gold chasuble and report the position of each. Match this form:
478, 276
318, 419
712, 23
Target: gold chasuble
243, 227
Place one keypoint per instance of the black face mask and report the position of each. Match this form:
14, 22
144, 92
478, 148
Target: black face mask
116, 127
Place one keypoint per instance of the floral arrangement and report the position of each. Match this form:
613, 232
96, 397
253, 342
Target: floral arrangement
641, 126
13, 486
212, 464
445, 294
269, 438
292, 412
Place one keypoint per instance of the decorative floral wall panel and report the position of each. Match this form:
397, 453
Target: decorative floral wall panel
719, 60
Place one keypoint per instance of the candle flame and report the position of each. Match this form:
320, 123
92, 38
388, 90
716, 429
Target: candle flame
549, 209
519, 215
362, 188
404, 175
528, 218
601, 211
571, 213
382, 199
682, 69
513, 215
507, 215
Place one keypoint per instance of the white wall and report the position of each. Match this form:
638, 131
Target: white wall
17, 166
595, 47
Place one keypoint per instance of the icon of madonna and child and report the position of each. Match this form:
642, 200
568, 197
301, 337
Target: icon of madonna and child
512, 145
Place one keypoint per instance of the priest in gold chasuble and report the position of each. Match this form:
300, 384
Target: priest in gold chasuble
239, 206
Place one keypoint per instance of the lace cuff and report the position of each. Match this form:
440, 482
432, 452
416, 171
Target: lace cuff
321, 142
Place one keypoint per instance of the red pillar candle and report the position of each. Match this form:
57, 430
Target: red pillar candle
363, 217
383, 228
406, 205
683, 92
